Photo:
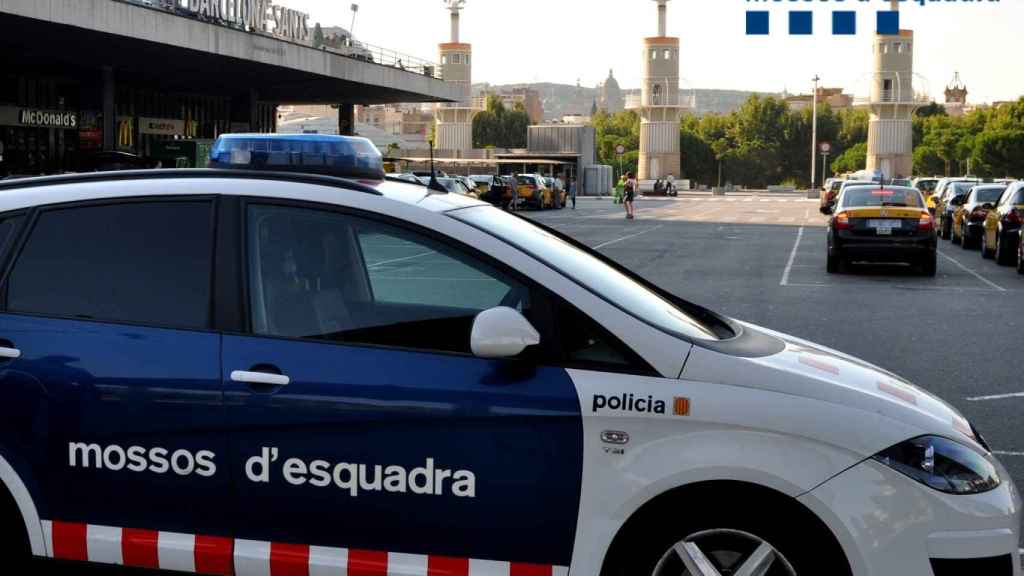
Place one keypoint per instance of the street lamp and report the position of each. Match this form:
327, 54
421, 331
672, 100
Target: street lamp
814, 134
352, 28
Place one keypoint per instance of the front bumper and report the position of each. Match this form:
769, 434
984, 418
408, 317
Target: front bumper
889, 524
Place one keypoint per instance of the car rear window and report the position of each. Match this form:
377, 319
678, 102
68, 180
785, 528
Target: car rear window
984, 195
873, 196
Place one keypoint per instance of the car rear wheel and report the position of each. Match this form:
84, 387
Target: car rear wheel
1003, 255
833, 263
965, 239
1020, 254
930, 266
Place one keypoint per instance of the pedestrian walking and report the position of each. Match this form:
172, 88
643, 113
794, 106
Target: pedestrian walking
515, 193
619, 188
572, 192
629, 196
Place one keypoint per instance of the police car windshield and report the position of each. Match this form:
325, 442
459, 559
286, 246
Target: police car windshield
867, 196
596, 276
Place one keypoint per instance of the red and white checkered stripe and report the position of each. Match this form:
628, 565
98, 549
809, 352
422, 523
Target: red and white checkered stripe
226, 556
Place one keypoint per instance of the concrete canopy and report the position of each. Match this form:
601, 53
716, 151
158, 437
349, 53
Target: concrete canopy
179, 53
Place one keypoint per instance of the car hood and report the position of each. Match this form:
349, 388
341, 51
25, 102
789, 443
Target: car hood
891, 408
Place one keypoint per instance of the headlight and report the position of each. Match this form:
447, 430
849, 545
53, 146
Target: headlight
942, 464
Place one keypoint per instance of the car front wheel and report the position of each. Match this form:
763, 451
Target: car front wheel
728, 539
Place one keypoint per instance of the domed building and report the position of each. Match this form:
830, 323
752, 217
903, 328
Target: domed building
611, 95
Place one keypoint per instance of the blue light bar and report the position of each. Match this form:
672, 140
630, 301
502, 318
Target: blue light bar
343, 156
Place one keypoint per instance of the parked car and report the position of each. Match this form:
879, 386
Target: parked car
1003, 224
945, 206
494, 190
831, 191
112, 161
969, 217
410, 178
881, 224
828, 204
534, 192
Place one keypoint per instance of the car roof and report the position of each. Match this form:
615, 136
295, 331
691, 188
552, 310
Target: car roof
48, 190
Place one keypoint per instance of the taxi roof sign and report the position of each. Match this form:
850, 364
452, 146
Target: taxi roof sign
343, 156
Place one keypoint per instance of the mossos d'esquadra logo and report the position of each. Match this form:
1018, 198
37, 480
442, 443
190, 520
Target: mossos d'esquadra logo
764, 17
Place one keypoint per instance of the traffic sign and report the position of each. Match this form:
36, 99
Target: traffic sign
825, 147
620, 149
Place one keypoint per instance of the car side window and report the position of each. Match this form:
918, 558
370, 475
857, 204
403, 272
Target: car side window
585, 344
336, 277
138, 262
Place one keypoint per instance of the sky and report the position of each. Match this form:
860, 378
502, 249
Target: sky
563, 41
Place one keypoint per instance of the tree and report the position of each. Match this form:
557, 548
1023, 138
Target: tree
497, 127
1000, 152
933, 109
927, 161
853, 160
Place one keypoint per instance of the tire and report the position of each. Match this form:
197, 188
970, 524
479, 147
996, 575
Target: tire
956, 238
1020, 254
1003, 256
14, 545
832, 263
947, 229
930, 266
965, 239
986, 253
726, 525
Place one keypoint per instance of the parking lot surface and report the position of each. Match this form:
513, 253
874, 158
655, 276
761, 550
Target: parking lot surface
762, 260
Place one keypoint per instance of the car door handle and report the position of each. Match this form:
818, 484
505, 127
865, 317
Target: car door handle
9, 353
263, 378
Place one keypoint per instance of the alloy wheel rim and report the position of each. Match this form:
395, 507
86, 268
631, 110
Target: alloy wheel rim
723, 552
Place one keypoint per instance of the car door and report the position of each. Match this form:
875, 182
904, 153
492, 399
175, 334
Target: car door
111, 376
994, 216
368, 435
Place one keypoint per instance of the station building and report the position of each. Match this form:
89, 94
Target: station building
87, 76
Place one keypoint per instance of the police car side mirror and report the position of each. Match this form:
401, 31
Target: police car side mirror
501, 332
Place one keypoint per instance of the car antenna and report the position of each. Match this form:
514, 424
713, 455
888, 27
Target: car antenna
434, 185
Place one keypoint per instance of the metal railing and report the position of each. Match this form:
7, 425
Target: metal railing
353, 49
386, 57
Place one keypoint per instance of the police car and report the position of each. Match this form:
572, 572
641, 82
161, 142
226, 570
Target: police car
264, 369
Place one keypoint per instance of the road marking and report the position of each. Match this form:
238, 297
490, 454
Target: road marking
972, 272
1004, 453
996, 397
617, 240
392, 261
792, 257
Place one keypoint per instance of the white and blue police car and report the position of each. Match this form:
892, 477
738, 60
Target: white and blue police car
290, 365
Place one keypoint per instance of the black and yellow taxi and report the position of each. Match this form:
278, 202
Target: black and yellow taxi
534, 192
971, 211
875, 223
1003, 225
